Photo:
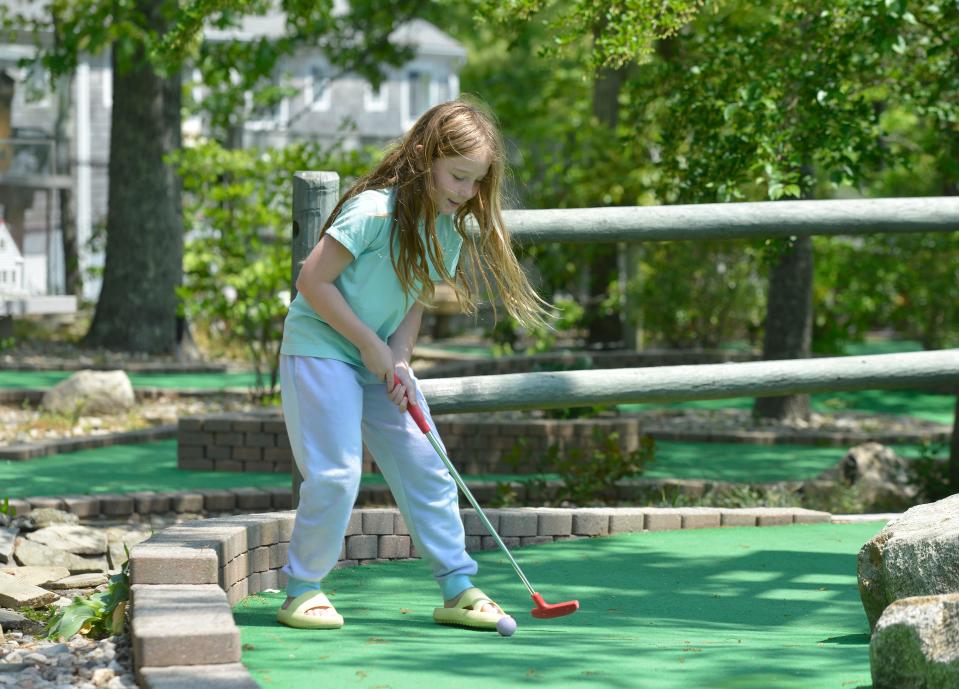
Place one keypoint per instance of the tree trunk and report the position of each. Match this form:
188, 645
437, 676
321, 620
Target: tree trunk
789, 324
603, 329
137, 309
954, 451
73, 279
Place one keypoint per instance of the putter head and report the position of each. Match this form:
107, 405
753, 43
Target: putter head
545, 611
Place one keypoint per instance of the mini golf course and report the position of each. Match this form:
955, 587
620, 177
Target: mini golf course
743, 608
153, 466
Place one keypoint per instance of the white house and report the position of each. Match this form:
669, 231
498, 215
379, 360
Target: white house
11, 265
320, 106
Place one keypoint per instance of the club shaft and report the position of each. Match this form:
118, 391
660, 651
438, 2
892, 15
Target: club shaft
479, 510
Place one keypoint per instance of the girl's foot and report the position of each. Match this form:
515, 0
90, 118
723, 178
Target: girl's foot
309, 610
314, 611
472, 608
485, 605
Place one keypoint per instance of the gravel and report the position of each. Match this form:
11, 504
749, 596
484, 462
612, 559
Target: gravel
80, 663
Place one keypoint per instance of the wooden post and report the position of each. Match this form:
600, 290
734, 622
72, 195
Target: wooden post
954, 450
314, 196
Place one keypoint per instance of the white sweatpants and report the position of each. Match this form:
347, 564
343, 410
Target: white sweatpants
330, 411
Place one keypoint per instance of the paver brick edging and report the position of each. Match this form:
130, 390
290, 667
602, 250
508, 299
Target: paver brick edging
160, 502
45, 448
186, 578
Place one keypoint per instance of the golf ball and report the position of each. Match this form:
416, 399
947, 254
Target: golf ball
506, 626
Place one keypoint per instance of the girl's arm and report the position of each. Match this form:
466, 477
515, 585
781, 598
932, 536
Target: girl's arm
315, 282
401, 343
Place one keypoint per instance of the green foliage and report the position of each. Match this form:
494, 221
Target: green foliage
930, 473
698, 294
622, 30
6, 509
585, 479
98, 615
237, 256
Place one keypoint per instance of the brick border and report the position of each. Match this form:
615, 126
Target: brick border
27, 451
160, 502
257, 441
185, 579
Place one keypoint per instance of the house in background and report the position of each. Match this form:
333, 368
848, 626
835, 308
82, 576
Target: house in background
317, 111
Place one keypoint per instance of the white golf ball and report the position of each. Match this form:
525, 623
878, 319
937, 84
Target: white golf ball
506, 626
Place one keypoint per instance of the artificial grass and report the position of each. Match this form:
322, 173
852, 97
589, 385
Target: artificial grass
748, 608
21, 380
152, 466
928, 406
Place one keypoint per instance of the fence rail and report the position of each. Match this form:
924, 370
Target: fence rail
551, 390
315, 194
735, 220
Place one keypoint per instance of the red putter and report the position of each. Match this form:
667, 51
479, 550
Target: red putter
543, 610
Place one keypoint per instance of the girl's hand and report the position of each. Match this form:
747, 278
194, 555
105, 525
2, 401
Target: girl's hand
378, 358
406, 386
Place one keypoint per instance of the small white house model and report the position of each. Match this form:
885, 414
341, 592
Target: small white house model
11, 265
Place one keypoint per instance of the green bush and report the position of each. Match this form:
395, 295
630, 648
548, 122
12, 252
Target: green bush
585, 478
237, 263
98, 615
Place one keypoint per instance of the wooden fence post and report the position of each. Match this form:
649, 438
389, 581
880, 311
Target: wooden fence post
314, 196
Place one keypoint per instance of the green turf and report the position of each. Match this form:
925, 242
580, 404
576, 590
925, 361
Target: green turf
211, 381
929, 406
744, 608
152, 466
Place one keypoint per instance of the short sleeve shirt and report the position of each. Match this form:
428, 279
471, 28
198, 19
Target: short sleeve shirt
369, 284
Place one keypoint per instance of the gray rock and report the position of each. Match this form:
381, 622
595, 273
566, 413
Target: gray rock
882, 477
13, 621
38, 554
79, 540
78, 581
48, 516
16, 594
91, 392
24, 523
915, 644
914, 555
8, 538
37, 576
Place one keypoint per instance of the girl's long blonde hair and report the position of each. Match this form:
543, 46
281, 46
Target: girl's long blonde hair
450, 129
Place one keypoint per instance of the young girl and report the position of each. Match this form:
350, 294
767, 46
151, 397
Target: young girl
351, 328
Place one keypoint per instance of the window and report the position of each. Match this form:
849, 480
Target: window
316, 89
267, 117
106, 87
375, 101
35, 88
419, 95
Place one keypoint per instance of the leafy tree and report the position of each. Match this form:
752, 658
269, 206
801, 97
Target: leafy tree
150, 42
237, 259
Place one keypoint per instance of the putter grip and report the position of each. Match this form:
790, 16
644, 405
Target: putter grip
414, 409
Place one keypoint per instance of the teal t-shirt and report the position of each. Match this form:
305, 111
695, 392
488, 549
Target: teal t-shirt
369, 284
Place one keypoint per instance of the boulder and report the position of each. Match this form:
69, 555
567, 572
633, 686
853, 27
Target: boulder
882, 477
91, 392
915, 644
915, 554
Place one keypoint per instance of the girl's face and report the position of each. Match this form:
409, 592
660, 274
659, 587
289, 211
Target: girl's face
456, 179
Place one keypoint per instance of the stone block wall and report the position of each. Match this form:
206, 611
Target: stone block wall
258, 442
